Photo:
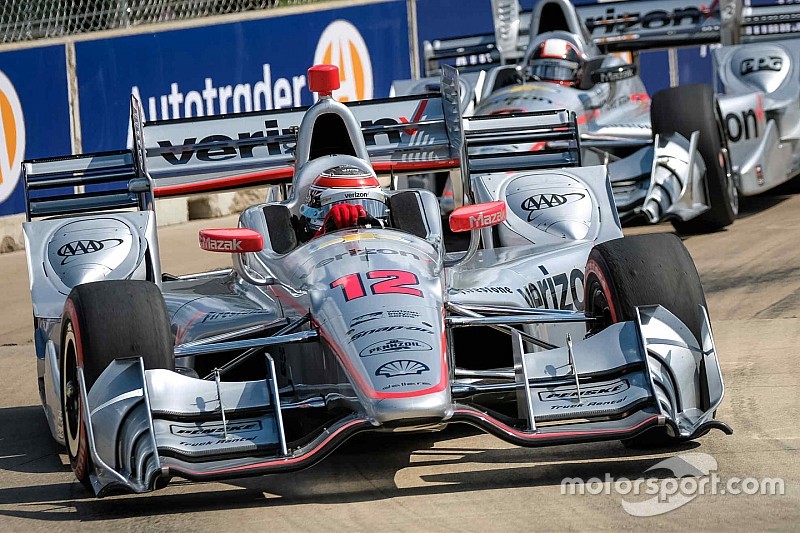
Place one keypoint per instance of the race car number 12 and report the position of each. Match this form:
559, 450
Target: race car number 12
394, 282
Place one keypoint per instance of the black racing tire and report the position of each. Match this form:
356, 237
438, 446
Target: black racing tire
690, 108
101, 322
643, 270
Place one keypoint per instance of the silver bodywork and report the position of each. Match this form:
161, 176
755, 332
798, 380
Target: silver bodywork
331, 363
760, 101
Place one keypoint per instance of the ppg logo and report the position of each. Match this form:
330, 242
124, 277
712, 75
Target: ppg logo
12, 138
750, 65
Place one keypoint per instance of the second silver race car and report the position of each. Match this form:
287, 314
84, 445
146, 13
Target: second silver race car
686, 154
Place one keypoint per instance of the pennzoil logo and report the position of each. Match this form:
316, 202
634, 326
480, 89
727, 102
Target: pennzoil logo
342, 45
12, 138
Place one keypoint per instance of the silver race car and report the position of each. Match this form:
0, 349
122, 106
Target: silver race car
686, 154
540, 327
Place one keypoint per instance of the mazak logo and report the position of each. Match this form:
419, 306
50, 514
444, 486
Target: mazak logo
619, 75
395, 345
12, 138
219, 245
751, 65
342, 45
546, 201
86, 246
484, 220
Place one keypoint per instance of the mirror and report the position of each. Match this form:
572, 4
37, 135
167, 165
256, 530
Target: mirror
613, 74
231, 240
477, 216
237, 242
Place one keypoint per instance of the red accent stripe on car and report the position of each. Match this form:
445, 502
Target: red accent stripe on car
277, 175
346, 183
549, 435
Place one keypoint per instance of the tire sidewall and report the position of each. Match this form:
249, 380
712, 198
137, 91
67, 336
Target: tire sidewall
77, 449
595, 273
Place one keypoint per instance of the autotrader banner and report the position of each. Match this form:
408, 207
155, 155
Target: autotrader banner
34, 116
242, 66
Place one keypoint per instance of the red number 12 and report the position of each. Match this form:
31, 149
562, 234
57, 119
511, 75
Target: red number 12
395, 282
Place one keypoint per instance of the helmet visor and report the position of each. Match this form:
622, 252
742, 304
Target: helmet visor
554, 70
374, 208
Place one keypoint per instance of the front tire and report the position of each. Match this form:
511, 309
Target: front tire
104, 321
691, 108
643, 270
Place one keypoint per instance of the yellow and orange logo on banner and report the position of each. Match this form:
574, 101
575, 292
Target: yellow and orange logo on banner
342, 45
12, 138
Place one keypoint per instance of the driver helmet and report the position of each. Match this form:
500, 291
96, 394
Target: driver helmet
557, 61
343, 184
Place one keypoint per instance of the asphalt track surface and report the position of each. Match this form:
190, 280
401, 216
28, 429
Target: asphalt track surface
460, 479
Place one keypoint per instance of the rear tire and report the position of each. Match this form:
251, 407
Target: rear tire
104, 321
643, 270
691, 108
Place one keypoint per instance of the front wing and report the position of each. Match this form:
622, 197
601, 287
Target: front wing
144, 426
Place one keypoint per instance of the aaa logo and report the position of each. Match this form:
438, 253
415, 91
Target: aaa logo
342, 45
12, 138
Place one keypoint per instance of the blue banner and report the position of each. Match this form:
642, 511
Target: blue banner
34, 116
463, 17
243, 66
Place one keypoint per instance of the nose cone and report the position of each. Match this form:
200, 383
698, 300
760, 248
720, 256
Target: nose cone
396, 359
426, 409
376, 297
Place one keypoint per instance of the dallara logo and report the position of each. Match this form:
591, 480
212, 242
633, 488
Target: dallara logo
12, 138
342, 45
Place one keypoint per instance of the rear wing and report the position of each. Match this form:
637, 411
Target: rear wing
402, 135
764, 20
414, 134
544, 139
200, 155
81, 184
626, 25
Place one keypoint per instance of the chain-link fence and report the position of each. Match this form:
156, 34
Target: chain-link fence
25, 20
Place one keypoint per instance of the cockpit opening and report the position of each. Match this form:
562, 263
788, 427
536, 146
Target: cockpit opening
330, 136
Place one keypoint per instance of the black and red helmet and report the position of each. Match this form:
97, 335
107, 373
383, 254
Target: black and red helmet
557, 61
